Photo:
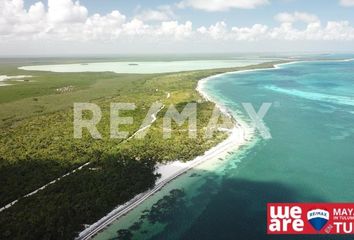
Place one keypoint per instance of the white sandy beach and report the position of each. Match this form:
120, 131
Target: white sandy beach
239, 135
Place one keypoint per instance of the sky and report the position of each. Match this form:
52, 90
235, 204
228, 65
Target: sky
71, 27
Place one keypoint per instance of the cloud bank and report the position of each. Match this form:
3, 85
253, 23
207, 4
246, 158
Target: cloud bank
222, 5
347, 3
68, 20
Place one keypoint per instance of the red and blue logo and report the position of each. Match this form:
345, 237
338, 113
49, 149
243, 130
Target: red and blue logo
318, 218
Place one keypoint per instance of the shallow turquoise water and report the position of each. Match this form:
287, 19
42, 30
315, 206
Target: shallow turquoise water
310, 158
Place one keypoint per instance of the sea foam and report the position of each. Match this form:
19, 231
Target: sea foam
342, 100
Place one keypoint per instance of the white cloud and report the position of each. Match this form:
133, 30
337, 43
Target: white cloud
162, 13
333, 31
216, 31
221, 5
347, 3
339, 31
295, 17
104, 27
135, 27
173, 28
36, 12
66, 11
15, 19
256, 32
314, 31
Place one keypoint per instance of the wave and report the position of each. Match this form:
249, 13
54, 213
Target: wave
342, 100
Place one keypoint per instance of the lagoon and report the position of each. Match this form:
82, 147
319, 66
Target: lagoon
146, 67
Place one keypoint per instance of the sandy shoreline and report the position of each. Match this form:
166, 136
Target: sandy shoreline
239, 135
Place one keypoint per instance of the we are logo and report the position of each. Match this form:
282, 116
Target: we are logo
284, 219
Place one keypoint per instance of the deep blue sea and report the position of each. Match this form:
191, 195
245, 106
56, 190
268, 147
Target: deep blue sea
310, 158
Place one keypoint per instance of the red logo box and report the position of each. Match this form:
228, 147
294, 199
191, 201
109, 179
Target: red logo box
310, 218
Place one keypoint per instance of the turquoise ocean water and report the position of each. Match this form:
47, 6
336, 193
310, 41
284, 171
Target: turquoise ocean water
310, 158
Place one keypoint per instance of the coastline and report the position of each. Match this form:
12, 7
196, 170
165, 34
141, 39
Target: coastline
239, 135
